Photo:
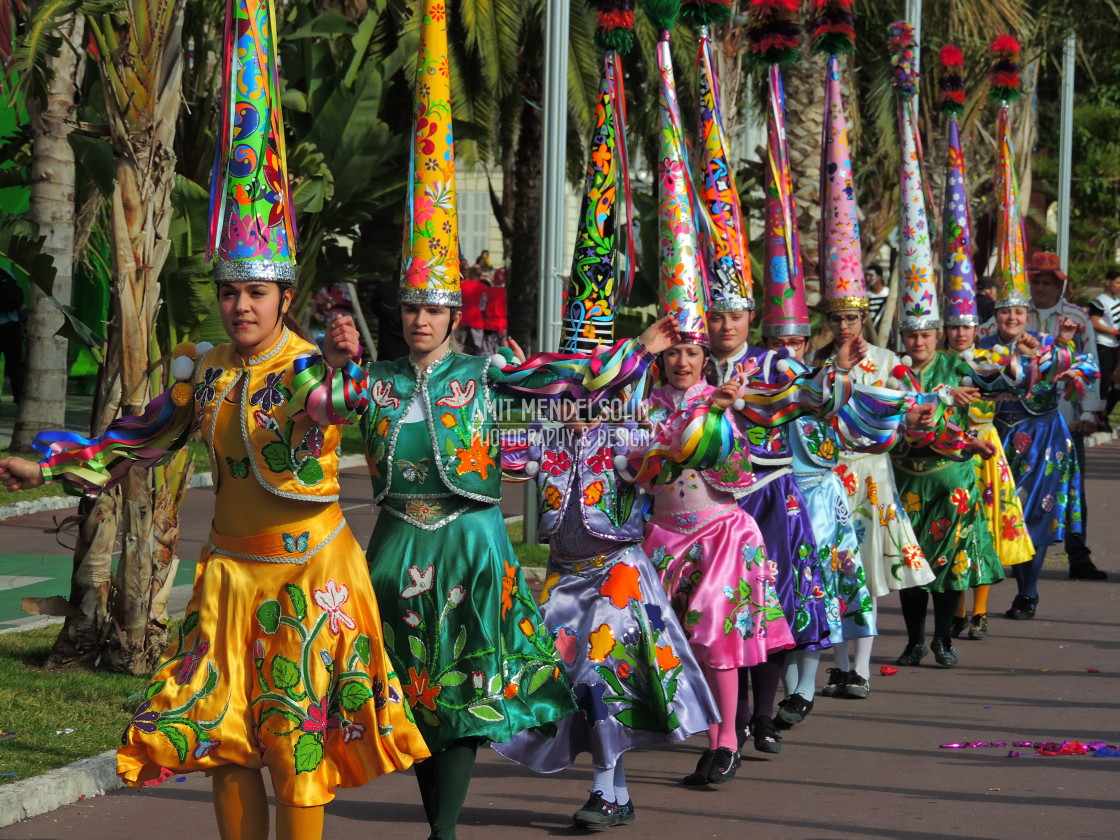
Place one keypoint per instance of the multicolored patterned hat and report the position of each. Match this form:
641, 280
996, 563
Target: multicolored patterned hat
958, 272
840, 264
1010, 274
431, 258
252, 233
593, 286
683, 282
784, 311
918, 304
729, 264
774, 38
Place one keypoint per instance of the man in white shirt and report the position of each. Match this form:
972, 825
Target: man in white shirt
1048, 307
876, 294
1104, 313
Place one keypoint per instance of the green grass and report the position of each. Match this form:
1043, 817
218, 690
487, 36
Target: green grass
37, 706
528, 554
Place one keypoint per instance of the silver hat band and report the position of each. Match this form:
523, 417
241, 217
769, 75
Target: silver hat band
241, 271
962, 321
775, 330
909, 323
431, 297
1012, 300
734, 304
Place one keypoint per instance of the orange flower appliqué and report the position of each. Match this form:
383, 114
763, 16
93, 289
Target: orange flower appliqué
666, 659
622, 585
420, 690
912, 556
509, 583
476, 459
593, 494
872, 491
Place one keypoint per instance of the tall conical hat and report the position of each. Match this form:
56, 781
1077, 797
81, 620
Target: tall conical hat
431, 257
252, 223
918, 306
1011, 275
840, 264
729, 265
682, 283
774, 38
784, 311
593, 286
957, 270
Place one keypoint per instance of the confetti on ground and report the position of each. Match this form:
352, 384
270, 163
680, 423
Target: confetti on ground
888, 670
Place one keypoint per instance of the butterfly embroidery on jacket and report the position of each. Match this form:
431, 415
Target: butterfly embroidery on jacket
296, 545
238, 468
417, 472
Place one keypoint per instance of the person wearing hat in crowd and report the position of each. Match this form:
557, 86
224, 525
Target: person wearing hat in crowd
476, 662
1104, 313
1033, 428
279, 661
985, 299
1002, 509
635, 680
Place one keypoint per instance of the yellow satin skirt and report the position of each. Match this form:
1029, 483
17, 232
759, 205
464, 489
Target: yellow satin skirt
278, 663
1001, 504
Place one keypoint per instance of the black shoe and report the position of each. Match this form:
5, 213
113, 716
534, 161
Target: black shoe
1022, 608
792, 711
959, 624
724, 765
703, 770
857, 687
766, 737
913, 655
943, 652
626, 813
837, 679
597, 813
978, 627
1087, 571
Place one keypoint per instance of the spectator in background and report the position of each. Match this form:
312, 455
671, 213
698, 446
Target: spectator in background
469, 333
495, 319
11, 331
986, 299
1104, 314
876, 294
483, 261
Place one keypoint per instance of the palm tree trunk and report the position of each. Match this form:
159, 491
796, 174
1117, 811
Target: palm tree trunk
141, 64
521, 194
52, 210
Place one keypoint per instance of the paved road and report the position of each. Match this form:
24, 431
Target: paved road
853, 769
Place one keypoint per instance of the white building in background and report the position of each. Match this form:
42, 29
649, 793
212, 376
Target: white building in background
478, 229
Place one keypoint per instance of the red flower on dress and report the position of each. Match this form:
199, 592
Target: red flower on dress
959, 497
420, 690
460, 396
1011, 529
601, 461
555, 463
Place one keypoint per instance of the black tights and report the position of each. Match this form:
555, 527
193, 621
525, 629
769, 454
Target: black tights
914, 601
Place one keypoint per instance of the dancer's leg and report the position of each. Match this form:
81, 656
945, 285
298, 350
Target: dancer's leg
299, 823
240, 803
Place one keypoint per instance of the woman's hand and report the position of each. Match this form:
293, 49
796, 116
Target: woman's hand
851, 353
19, 474
1027, 344
518, 353
341, 342
1067, 329
984, 448
963, 397
919, 416
661, 334
726, 394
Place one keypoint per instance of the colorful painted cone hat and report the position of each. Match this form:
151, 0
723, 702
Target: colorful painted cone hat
784, 311
774, 38
593, 285
840, 264
1011, 275
252, 223
918, 304
729, 265
958, 272
431, 258
682, 279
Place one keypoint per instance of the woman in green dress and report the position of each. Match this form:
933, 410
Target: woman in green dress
475, 660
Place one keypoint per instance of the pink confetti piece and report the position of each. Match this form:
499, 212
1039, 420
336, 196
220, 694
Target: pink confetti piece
888, 670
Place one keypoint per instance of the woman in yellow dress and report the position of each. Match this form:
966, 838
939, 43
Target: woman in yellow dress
278, 662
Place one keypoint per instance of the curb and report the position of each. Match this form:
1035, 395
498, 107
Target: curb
205, 479
41, 794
